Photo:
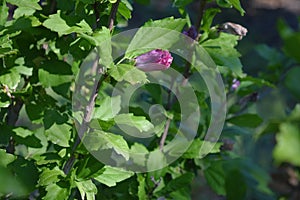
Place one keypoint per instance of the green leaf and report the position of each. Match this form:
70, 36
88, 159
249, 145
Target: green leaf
24, 70
181, 3
10, 79
3, 13
272, 55
128, 73
235, 178
169, 23
6, 47
208, 18
25, 23
155, 35
287, 148
22, 132
197, 149
6, 158
57, 192
98, 37
215, 177
224, 3
26, 3
50, 176
59, 134
112, 175
237, 5
34, 112
139, 122
124, 10
108, 109
25, 172
142, 187
29, 141
54, 73
257, 81
182, 193
291, 81
7, 51
102, 40
246, 120
52, 116
156, 161
138, 154
223, 52
295, 114
89, 167
10, 185
36, 152
87, 189
23, 11
57, 24
83, 27
103, 140
180, 182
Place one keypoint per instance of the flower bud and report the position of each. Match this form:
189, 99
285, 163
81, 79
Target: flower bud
191, 32
235, 84
154, 60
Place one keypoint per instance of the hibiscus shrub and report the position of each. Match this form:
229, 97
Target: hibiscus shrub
91, 110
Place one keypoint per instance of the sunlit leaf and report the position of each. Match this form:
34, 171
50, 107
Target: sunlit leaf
112, 175
223, 52
59, 134
108, 109
128, 73
139, 122
26, 3
155, 35
103, 140
50, 176
87, 189
56, 192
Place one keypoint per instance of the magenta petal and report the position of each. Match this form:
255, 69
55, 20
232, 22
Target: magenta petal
154, 60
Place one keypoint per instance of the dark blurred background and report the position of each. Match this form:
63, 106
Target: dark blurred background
260, 19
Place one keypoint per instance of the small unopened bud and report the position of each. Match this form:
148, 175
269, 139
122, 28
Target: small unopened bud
191, 32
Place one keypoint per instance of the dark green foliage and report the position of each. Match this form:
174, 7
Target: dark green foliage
47, 49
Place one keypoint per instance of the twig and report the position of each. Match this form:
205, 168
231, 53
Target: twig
97, 14
89, 108
156, 184
53, 7
112, 15
186, 75
169, 104
164, 135
86, 118
11, 119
